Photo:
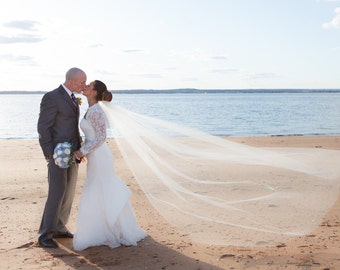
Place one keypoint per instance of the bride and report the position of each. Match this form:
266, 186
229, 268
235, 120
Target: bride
211, 189
105, 216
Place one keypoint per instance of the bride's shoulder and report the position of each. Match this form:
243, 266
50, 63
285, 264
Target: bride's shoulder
96, 109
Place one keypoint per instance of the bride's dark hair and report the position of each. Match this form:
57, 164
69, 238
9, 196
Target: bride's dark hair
102, 93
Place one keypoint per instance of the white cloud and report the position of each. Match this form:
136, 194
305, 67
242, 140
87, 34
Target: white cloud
219, 57
189, 80
20, 39
132, 50
10, 36
95, 45
257, 76
21, 59
105, 72
22, 24
335, 22
224, 71
152, 76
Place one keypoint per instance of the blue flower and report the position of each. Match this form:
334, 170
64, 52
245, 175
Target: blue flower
63, 155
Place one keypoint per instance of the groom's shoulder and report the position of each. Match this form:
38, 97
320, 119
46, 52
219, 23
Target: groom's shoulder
57, 91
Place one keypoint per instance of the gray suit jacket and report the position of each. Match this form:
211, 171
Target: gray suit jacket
58, 121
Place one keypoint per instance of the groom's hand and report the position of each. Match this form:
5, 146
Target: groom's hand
81, 160
78, 156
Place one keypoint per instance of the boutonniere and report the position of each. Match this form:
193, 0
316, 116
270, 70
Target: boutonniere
79, 100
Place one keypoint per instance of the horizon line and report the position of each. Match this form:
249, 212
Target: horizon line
187, 90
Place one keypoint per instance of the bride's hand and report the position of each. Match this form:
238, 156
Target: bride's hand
78, 155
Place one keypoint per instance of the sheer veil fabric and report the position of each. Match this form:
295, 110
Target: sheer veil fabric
221, 192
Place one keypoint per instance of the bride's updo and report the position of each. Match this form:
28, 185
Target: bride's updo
102, 93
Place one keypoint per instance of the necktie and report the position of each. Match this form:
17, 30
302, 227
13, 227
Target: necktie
74, 99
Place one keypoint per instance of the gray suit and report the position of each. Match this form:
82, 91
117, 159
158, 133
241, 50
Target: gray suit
57, 123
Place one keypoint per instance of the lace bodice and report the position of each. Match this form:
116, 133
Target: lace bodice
94, 128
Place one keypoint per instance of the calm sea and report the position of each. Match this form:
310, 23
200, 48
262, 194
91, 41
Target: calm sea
227, 114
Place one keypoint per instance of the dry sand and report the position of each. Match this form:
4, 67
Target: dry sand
23, 193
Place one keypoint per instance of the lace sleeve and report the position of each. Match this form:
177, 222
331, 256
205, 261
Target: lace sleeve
97, 119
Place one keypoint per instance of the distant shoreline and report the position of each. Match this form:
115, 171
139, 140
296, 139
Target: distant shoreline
191, 91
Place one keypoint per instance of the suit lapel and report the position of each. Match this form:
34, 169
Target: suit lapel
68, 100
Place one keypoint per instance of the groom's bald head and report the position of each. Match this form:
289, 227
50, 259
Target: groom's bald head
75, 79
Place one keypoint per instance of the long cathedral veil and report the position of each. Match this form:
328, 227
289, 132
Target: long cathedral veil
221, 192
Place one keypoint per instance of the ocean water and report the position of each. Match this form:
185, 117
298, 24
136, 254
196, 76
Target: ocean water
223, 114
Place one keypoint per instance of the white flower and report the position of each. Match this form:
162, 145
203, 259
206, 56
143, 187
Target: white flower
58, 159
63, 155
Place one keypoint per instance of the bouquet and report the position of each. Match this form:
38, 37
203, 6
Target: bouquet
63, 155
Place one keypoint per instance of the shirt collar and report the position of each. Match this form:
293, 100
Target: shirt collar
67, 90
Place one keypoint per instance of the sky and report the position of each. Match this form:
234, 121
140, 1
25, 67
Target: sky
170, 44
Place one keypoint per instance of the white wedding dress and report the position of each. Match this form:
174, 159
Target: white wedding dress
105, 215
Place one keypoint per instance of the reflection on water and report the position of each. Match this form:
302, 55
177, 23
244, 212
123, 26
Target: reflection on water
229, 114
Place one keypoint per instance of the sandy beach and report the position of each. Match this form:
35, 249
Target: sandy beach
23, 194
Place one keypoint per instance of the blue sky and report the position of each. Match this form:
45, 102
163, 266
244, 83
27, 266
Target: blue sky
166, 44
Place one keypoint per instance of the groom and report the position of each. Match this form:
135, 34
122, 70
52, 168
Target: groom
58, 123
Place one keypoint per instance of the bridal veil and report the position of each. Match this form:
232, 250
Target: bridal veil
221, 192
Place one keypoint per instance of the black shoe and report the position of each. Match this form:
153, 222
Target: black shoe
47, 243
66, 234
